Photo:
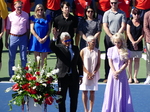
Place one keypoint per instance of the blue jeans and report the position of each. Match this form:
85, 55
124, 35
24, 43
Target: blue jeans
14, 42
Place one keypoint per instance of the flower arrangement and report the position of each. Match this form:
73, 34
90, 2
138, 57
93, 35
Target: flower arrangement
34, 83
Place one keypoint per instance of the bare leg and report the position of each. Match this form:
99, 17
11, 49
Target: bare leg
129, 67
136, 69
92, 97
85, 99
36, 54
43, 56
77, 37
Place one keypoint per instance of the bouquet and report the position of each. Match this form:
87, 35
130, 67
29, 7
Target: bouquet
34, 83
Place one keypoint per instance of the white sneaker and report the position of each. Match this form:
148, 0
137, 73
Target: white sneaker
147, 80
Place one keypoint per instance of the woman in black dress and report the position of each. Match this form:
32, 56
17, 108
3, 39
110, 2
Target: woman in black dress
134, 43
1, 41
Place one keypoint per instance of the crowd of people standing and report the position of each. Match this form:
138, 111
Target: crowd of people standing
126, 24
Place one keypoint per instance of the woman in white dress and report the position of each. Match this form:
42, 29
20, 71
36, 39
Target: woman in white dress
91, 61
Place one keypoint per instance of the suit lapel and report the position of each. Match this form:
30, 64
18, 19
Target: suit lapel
66, 52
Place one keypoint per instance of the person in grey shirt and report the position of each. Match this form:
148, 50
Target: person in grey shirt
89, 26
114, 21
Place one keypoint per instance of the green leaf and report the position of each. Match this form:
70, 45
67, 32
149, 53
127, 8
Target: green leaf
19, 100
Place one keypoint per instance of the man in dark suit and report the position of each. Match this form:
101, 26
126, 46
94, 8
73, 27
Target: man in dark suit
70, 68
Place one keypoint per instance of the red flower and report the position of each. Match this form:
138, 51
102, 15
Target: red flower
37, 73
36, 100
15, 87
58, 101
50, 79
26, 68
33, 78
29, 76
25, 87
46, 95
37, 84
32, 91
49, 100
48, 82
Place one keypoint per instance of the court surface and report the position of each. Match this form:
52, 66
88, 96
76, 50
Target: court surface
140, 96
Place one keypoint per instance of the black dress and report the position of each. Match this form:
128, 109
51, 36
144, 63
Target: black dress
1, 41
136, 32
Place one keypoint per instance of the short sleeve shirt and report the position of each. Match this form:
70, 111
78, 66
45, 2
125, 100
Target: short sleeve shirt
124, 5
103, 5
18, 24
114, 20
136, 32
65, 25
89, 27
53, 4
142, 4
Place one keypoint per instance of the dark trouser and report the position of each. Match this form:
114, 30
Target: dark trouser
108, 44
1, 49
72, 84
100, 15
53, 13
79, 18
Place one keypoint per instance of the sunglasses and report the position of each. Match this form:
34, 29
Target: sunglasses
19, 7
136, 14
39, 9
118, 42
90, 11
114, 3
67, 40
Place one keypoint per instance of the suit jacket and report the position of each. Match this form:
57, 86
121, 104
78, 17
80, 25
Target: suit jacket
64, 62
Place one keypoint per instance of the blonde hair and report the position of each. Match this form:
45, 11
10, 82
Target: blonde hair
90, 38
36, 8
18, 2
123, 50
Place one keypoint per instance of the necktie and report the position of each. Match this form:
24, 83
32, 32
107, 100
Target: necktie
68, 52
71, 53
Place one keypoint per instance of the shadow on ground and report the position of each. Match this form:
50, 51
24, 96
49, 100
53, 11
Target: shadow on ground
4, 79
141, 80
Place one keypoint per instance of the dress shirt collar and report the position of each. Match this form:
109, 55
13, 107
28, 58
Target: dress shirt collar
64, 17
118, 11
70, 46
